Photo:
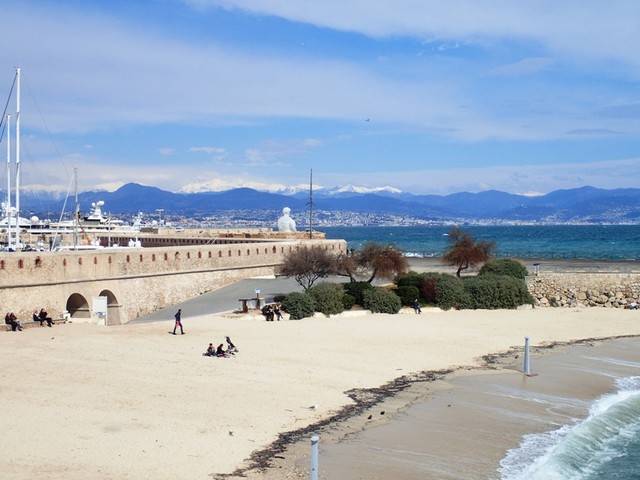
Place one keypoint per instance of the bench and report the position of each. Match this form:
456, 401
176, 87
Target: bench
56, 321
255, 305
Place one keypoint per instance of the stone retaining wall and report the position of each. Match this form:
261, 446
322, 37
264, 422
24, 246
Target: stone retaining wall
608, 290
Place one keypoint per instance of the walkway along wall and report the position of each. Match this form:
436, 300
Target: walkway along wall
614, 290
136, 281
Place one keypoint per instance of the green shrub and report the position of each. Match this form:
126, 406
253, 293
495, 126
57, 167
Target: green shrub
299, 305
496, 291
348, 301
445, 291
381, 300
427, 287
504, 266
328, 297
279, 298
357, 289
407, 294
411, 279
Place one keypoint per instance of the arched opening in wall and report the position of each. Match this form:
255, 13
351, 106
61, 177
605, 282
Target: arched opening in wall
95, 260
109, 261
219, 253
166, 257
274, 250
153, 257
77, 306
177, 256
38, 262
141, 258
113, 308
20, 263
199, 255
209, 253
188, 255
239, 253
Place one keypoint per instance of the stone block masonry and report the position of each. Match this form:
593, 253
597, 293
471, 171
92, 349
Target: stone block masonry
136, 281
608, 290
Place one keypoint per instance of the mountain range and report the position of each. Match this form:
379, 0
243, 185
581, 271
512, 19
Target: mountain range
579, 205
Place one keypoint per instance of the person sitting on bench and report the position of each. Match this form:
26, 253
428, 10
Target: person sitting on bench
43, 316
11, 319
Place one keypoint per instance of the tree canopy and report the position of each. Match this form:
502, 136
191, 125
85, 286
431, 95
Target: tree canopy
465, 251
308, 264
373, 261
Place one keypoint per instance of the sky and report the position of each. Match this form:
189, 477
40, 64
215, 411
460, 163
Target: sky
427, 96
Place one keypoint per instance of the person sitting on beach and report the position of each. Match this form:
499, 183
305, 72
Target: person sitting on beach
44, 317
11, 319
416, 306
220, 352
267, 311
277, 312
231, 348
211, 351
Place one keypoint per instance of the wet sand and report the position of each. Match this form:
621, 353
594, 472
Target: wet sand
467, 426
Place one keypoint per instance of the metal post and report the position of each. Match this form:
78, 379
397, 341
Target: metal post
313, 472
527, 367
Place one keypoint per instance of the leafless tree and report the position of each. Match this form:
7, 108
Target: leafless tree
373, 261
465, 251
308, 264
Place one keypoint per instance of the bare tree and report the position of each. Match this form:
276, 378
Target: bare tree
465, 251
308, 264
373, 261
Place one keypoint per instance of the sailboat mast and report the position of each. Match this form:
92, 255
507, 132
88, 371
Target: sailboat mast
76, 210
18, 157
311, 204
8, 208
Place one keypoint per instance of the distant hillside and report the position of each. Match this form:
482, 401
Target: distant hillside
585, 204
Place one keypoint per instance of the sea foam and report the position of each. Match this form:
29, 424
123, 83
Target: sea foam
580, 450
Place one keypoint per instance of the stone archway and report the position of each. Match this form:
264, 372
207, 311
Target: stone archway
78, 307
113, 308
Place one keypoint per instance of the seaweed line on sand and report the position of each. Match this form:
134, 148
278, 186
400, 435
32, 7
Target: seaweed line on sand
365, 398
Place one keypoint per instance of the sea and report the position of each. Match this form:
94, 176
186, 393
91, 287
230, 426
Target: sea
604, 443
599, 242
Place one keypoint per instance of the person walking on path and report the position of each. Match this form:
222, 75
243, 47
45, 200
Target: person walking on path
178, 323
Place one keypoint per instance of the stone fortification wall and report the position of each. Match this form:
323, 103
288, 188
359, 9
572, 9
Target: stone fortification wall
135, 280
612, 290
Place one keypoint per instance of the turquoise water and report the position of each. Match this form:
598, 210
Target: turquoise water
614, 242
605, 445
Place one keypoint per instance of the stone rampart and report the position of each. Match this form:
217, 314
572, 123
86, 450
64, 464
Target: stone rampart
610, 290
135, 281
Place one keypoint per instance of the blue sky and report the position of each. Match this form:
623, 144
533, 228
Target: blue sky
426, 96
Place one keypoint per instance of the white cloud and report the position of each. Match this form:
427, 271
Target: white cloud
527, 66
583, 28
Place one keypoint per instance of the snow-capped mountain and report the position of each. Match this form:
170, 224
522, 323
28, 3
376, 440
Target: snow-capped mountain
217, 185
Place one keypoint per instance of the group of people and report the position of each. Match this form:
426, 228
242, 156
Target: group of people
272, 312
38, 316
220, 351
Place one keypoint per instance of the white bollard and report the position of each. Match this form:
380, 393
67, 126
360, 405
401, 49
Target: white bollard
527, 367
313, 472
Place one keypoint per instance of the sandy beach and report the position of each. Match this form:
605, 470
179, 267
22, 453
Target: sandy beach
134, 401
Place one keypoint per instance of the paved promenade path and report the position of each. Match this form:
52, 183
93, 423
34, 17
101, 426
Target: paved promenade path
226, 299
